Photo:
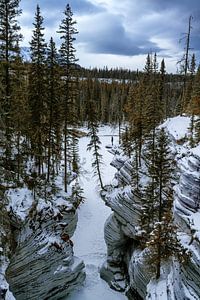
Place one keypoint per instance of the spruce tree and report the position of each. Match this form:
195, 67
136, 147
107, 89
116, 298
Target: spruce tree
149, 65
68, 62
37, 90
189, 85
163, 100
20, 114
77, 194
9, 39
153, 108
94, 144
154, 105
75, 155
135, 111
127, 142
197, 130
54, 109
157, 220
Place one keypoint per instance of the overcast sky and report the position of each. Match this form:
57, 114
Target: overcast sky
120, 33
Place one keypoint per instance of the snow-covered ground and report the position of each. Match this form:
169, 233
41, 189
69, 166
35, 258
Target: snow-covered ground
177, 126
89, 236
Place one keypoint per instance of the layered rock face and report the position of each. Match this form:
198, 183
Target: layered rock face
124, 254
5, 247
187, 215
125, 260
43, 265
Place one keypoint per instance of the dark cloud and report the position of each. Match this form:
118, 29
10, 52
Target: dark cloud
110, 37
181, 5
188, 7
124, 27
78, 6
52, 10
123, 47
167, 20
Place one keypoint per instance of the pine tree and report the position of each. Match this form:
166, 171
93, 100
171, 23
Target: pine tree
148, 69
189, 85
154, 105
9, 39
155, 64
135, 111
95, 142
68, 62
127, 142
77, 194
158, 219
20, 113
197, 130
75, 154
163, 101
135, 174
53, 107
153, 109
37, 90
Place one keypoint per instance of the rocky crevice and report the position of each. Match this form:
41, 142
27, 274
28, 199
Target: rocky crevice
43, 265
177, 281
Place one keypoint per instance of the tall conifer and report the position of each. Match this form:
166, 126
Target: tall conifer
158, 218
68, 62
54, 108
20, 114
9, 39
94, 144
37, 90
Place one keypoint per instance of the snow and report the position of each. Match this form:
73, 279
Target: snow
196, 219
195, 224
9, 296
89, 236
177, 126
88, 239
3, 283
20, 201
158, 289
196, 151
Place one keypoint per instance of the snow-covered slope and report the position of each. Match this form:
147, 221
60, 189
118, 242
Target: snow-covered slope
40, 246
121, 229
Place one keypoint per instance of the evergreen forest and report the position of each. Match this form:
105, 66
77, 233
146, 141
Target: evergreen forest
46, 100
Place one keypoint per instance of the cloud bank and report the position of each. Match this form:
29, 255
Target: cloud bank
120, 29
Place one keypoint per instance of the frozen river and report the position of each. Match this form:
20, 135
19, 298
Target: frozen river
88, 239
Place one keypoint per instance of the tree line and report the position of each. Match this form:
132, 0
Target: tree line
43, 100
148, 146
38, 109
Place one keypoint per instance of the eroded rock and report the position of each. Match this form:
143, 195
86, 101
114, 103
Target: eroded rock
124, 253
43, 265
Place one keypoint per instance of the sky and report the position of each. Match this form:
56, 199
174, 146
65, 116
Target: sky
120, 33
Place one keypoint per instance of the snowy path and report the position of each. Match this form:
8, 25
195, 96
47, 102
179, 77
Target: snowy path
89, 237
